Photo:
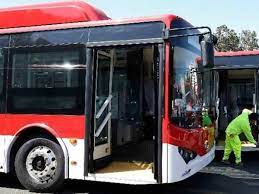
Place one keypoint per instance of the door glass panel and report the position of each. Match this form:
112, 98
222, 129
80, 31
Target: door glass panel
103, 136
102, 98
103, 80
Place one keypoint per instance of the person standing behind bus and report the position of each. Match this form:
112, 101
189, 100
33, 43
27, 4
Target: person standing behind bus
240, 124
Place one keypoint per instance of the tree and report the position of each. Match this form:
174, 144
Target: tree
248, 40
228, 39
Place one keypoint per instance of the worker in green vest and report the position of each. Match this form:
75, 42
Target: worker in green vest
240, 124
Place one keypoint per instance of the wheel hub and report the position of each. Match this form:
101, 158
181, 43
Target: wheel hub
38, 163
41, 164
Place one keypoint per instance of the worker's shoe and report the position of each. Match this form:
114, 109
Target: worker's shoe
239, 165
225, 162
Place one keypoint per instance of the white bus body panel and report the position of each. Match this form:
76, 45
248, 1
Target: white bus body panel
75, 158
2, 153
175, 169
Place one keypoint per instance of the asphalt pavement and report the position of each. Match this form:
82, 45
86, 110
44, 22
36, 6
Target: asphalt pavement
217, 178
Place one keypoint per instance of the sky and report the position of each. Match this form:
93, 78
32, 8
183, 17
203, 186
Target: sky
236, 14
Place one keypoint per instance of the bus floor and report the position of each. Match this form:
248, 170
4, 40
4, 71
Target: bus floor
131, 157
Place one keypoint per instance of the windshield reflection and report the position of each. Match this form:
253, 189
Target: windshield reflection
186, 84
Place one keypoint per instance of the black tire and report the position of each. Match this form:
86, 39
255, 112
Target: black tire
54, 176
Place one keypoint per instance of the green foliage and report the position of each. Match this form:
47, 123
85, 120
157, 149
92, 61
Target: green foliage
248, 40
228, 40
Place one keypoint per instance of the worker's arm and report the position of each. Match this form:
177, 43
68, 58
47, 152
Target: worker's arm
248, 132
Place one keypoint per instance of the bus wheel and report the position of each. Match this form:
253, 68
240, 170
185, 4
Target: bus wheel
39, 165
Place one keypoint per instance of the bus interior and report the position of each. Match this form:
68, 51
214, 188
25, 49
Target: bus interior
236, 90
133, 113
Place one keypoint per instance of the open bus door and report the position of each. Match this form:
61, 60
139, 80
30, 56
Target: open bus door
98, 107
103, 99
236, 89
135, 145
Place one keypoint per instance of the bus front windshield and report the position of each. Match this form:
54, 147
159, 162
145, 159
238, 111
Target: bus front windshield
186, 104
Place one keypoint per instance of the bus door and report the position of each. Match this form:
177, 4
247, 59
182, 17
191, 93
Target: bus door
103, 99
236, 90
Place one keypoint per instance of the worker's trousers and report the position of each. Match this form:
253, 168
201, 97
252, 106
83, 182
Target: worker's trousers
232, 143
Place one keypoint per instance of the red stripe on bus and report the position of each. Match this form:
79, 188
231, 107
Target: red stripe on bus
193, 139
61, 126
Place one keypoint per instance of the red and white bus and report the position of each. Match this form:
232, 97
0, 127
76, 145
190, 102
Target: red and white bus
90, 98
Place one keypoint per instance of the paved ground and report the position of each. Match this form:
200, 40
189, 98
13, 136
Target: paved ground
215, 179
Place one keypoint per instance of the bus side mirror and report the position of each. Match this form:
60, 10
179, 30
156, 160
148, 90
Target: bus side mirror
207, 43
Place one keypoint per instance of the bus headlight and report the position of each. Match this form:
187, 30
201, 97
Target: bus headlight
206, 145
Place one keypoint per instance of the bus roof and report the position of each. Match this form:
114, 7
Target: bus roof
49, 13
166, 19
237, 60
236, 53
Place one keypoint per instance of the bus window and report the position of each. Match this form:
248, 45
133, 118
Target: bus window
47, 81
45, 38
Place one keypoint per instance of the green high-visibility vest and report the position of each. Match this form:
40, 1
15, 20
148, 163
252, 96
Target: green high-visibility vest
241, 125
